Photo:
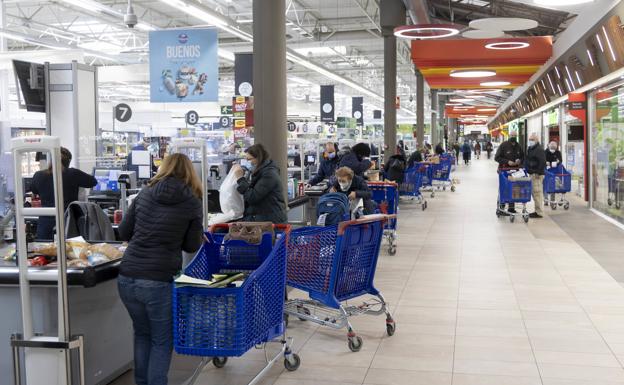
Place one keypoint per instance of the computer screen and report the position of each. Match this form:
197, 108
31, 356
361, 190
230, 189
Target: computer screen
106, 180
310, 159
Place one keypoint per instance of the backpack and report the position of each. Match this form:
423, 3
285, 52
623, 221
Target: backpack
332, 208
396, 164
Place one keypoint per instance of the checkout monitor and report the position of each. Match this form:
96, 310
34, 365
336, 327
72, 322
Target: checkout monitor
106, 181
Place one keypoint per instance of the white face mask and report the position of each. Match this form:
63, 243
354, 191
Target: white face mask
532, 143
552, 149
345, 186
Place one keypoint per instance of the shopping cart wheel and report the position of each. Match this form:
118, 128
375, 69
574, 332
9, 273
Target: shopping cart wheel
525, 217
424, 206
433, 194
355, 343
292, 362
553, 206
390, 328
303, 310
444, 188
512, 218
453, 189
392, 249
610, 202
618, 205
219, 362
566, 205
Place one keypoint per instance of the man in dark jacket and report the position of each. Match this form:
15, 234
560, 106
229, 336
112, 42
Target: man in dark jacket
356, 159
263, 193
354, 187
510, 155
535, 165
416, 157
328, 165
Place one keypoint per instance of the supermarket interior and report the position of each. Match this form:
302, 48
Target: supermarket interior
336, 192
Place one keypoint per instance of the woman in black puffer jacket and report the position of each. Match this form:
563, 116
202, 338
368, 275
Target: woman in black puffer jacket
164, 220
263, 192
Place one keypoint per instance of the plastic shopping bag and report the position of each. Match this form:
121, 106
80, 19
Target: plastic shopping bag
231, 201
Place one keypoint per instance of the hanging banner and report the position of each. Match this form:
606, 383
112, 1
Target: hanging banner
243, 74
184, 66
376, 114
357, 109
327, 104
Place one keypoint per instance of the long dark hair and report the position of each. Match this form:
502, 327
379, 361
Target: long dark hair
259, 153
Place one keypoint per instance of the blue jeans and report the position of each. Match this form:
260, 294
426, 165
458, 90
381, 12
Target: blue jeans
149, 305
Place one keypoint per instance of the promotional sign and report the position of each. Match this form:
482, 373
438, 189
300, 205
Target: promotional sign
243, 74
327, 104
123, 112
184, 66
242, 108
357, 109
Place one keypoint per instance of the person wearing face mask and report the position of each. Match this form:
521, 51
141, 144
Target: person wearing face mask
553, 155
553, 158
535, 165
509, 156
354, 187
263, 191
357, 159
328, 164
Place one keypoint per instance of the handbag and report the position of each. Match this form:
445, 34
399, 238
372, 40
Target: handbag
250, 232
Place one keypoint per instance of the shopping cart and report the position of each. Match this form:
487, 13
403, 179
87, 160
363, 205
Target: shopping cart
513, 191
557, 180
386, 195
216, 323
413, 183
441, 175
333, 265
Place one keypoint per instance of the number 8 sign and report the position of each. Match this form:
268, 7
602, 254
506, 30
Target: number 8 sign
192, 118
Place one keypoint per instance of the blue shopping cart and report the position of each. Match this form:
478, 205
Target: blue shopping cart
333, 265
386, 195
441, 174
216, 323
557, 180
413, 183
513, 189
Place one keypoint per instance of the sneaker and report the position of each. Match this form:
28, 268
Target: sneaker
535, 215
512, 211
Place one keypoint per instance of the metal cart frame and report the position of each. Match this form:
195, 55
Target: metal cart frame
505, 195
388, 193
557, 180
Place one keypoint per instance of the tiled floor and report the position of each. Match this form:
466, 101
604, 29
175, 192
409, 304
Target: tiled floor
478, 301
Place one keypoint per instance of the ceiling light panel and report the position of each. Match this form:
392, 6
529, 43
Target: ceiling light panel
472, 73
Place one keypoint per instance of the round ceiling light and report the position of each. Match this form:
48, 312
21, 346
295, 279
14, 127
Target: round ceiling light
460, 100
453, 104
482, 34
499, 83
504, 23
472, 73
426, 31
505, 45
557, 3
486, 109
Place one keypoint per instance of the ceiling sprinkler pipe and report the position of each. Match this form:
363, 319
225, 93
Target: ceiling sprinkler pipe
418, 11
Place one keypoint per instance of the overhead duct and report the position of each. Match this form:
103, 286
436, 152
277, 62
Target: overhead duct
418, 11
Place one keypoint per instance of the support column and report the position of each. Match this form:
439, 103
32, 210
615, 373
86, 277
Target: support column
269, 77
390, 73
452, 129
4, 74
420, 109
435, 132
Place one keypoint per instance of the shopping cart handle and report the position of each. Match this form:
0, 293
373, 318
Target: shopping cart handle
342, 226
223, 226
375, 183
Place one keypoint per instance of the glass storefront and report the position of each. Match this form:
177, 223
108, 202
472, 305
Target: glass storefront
607, 150
572, 148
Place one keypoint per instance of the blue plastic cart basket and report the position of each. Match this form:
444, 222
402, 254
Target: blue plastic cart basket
386, 195
336, 264
557, 180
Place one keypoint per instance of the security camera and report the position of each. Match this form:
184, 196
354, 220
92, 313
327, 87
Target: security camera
130, 19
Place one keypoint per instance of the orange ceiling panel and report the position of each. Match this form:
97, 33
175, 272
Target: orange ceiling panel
472, 52
437, 58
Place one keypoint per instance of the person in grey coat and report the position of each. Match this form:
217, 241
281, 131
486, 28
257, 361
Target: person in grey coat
263, 191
